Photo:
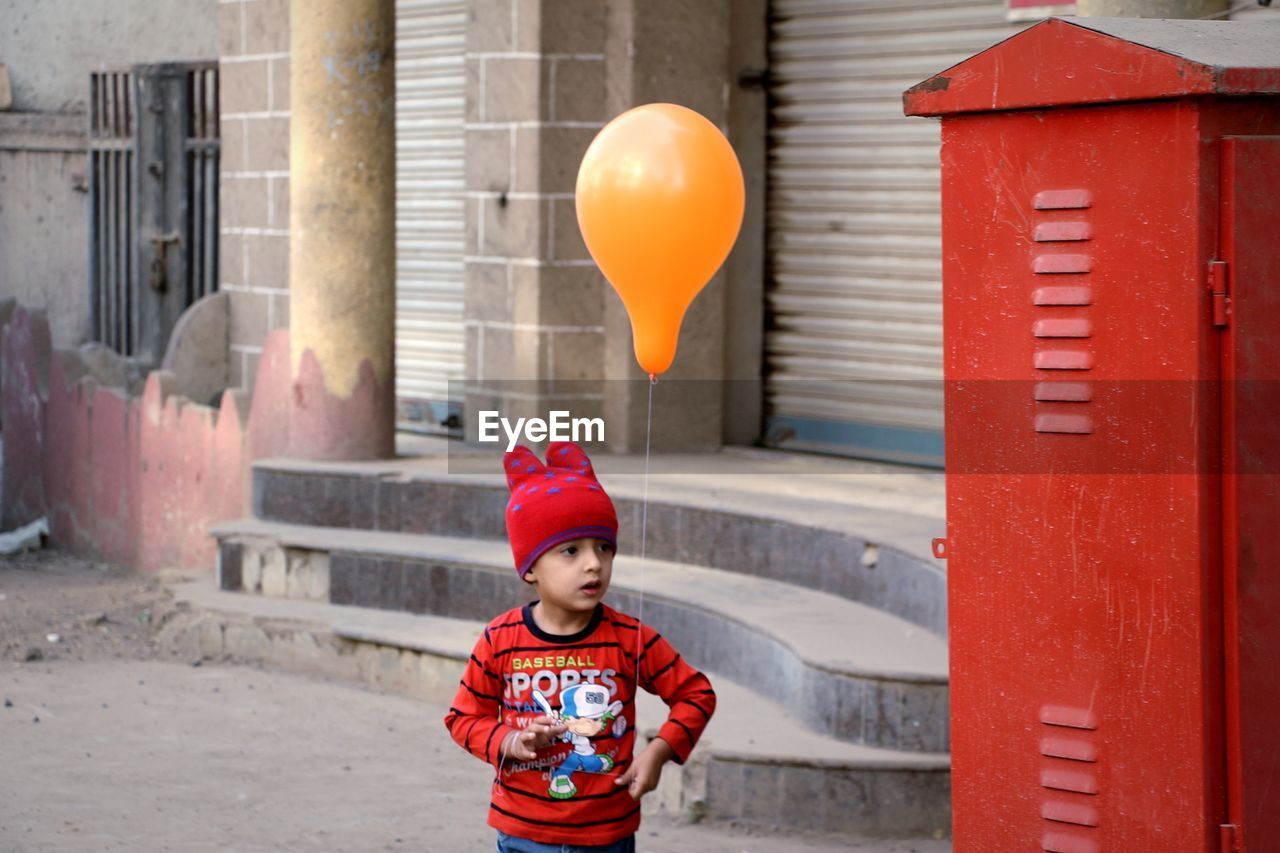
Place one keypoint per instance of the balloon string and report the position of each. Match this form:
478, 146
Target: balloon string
644, 524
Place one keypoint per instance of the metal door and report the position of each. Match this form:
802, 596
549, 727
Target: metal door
1248, 312
430, 215
153, 201
853, 347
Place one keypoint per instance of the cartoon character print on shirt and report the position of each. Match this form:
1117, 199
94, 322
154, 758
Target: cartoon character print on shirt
585, 711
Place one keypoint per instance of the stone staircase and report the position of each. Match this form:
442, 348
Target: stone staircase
826, 649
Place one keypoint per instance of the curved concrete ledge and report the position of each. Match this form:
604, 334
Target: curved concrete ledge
795, 549
791, 777
884, 685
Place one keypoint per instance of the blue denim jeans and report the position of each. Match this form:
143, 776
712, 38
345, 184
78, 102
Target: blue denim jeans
512, 844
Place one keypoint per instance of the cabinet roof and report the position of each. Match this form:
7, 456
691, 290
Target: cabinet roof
1064, 61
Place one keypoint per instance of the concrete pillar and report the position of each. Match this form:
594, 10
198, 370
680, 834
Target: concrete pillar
534, 299
253, 213
342, 222
543, 327
676, 51
1150, 8
744, 271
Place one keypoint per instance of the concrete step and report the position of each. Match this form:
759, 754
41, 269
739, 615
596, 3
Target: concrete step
861, 675
755, 764
868, 547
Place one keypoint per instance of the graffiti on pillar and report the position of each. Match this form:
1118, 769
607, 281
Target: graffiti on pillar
354, 60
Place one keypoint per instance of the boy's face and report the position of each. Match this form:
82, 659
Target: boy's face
585, 726
573, 575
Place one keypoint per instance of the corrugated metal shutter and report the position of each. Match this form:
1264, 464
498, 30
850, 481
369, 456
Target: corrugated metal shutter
430, 216
854, 344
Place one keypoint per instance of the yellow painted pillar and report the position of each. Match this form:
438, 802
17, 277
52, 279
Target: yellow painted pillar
342, 225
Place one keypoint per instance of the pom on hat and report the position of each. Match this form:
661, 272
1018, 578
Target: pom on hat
554, 502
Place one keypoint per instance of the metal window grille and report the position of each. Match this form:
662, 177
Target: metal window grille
111, 165
203, 148
153, 201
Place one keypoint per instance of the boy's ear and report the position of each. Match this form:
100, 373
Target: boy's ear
520, 464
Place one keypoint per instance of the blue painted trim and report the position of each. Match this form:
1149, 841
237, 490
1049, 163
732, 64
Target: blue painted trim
865, 441
429, 416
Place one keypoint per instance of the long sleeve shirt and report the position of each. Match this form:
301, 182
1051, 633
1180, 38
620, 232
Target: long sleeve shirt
517, 670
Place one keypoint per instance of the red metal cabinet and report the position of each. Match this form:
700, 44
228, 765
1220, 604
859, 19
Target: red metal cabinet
1111, 311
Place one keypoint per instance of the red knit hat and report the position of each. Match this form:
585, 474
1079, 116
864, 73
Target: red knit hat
555, 502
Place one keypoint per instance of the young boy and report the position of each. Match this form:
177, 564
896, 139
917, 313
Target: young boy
548, 697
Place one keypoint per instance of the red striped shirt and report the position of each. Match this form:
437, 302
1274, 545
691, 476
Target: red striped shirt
512, 659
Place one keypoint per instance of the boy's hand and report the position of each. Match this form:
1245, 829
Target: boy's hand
645, 771
524, 744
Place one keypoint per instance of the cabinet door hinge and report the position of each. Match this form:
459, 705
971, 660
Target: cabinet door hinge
1219, 299
1230, 838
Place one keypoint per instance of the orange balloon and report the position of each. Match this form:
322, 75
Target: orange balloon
659, 200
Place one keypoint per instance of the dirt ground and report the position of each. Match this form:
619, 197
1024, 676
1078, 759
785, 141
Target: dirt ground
110, 743
98, 611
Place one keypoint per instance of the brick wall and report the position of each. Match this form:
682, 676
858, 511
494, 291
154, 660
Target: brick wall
536, 99
254, 53
543, 76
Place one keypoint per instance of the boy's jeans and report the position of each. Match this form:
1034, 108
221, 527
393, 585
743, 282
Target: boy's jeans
512, 844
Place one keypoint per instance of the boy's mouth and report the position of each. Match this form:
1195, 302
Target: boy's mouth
592, 587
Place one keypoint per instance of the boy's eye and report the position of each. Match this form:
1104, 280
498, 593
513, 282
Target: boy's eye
571, 550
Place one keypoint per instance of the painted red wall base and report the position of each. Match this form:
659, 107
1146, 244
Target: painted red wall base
135, 481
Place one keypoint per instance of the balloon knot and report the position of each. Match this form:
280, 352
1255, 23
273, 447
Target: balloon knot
653, 379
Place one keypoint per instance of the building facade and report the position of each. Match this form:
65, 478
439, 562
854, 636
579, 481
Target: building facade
821, 332
49, 51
